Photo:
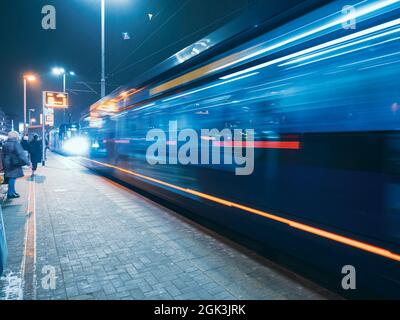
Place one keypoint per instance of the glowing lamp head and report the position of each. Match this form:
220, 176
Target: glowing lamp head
58, 71
30, 77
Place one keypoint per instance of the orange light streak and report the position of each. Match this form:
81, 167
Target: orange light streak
294, 224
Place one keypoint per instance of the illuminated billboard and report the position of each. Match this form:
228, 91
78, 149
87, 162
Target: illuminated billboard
55, 100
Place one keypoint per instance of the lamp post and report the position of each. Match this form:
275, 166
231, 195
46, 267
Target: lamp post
61, 71
103, 46
58, 72
30, 78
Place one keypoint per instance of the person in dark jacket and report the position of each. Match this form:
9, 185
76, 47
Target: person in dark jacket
35, 150
25, 143
14, 158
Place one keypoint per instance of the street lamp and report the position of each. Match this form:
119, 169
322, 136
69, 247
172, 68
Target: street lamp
61, 71
58, 72
103, 45
27, 78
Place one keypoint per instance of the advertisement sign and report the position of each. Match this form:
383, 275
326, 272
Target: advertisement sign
49, 117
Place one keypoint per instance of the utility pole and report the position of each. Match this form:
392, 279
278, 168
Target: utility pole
24, 106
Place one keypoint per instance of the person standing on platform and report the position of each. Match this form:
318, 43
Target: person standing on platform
14, 158
35, 150
25, 144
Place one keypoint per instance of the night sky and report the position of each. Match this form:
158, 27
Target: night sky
75, 44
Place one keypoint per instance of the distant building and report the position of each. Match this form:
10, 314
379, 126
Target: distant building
6, 123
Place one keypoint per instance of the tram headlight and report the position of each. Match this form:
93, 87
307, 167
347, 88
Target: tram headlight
95, 145
76, 146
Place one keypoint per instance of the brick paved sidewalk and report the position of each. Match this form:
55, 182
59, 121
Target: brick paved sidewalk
15, 217
104, 241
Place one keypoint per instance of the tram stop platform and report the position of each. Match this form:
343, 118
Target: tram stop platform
76, 235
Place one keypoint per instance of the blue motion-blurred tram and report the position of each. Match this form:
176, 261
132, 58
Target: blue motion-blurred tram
322, 92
